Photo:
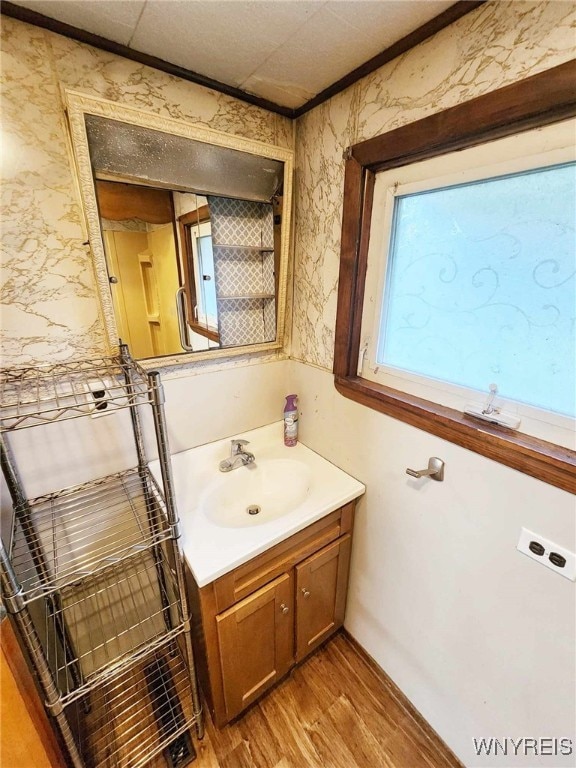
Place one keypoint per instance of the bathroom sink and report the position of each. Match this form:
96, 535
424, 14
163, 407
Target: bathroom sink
256, 493
293, 488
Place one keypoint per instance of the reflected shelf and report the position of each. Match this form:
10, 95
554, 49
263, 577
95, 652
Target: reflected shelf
243, 247
231, 296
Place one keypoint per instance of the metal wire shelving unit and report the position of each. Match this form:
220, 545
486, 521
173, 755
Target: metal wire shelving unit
93, 576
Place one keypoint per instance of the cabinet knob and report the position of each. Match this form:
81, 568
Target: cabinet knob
284, 608
305, 592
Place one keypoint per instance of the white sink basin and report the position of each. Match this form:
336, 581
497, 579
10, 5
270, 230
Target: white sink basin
293, 487
256, 493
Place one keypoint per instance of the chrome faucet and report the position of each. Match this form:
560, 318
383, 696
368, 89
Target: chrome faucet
238, 456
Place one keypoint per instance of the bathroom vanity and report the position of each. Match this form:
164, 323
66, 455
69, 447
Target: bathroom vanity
265, 589
254, 623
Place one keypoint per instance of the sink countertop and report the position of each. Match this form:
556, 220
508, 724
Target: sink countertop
213, 550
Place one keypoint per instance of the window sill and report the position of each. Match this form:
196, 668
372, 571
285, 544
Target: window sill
545, 461
207, 332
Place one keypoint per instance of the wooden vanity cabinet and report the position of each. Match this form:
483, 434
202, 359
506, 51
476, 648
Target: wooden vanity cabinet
253, 624
256, 643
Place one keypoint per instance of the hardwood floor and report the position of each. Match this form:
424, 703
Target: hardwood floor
333, 711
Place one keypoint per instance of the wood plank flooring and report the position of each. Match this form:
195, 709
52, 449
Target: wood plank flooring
333, 711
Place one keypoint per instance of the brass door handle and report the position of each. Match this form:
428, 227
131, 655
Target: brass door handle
305, 592
284, 608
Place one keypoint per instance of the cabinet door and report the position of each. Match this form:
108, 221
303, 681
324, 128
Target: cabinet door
256, 639
321, 587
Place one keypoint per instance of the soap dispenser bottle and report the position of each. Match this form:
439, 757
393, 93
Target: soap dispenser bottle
291, 421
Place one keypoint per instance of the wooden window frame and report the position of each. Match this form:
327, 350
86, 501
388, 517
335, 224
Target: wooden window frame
540, 100
187, 220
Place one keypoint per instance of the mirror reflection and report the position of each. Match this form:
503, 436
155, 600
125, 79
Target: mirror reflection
192, 238
195, 233
173, 288
157, 241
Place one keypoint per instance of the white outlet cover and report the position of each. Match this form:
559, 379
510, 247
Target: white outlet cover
526, 537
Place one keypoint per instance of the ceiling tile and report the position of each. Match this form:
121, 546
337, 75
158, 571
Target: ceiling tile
338, 38
292, 97
386, 23
226, 40
114, 19
315, 57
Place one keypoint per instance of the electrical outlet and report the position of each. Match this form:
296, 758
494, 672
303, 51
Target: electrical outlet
547, 553
96, 396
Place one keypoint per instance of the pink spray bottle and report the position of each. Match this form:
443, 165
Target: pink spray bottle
291, 421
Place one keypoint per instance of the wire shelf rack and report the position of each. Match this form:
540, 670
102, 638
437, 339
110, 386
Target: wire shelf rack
110, 619
64, 536
94, 575
46, 393
135, 716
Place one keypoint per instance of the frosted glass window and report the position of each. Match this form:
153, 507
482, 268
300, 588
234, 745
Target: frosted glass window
206, 312
481, 287
206, 265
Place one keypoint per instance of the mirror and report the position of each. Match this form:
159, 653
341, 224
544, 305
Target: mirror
189, 231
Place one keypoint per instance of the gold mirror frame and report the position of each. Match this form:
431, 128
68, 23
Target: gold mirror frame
78, 106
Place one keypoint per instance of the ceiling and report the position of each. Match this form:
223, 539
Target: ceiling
285, 51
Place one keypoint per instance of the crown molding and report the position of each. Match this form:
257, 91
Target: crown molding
444, 19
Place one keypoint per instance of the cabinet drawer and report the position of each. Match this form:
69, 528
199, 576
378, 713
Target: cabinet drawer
245, 579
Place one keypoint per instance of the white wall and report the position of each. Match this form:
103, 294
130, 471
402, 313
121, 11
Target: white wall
218, 404
478, 636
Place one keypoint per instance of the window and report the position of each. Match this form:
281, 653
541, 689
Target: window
473, 281
198, 268
205, 311
457, 273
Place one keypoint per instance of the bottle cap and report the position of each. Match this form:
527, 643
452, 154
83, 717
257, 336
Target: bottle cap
290, 402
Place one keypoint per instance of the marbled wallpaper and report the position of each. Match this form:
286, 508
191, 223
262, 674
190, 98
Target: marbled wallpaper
50, 310
491, 47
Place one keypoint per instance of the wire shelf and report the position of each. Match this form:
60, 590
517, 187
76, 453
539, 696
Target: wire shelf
45, 393
135, 716
62, 537
96, 571
110, 619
